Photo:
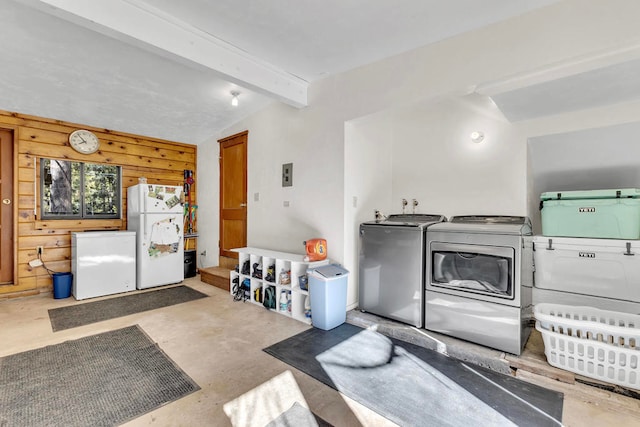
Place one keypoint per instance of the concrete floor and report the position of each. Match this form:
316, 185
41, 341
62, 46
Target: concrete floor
219, 342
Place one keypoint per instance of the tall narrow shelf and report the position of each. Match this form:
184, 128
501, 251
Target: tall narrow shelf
283, 262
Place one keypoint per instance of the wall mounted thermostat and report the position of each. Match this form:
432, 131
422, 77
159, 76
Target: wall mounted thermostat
287, 175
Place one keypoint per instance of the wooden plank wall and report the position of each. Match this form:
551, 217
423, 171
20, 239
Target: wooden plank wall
160, 161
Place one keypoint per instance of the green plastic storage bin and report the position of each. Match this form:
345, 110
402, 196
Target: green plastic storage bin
606, 214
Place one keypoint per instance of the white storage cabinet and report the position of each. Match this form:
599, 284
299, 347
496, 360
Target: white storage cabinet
294, 263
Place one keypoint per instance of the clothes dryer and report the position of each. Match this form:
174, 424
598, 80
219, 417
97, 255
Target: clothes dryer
479, 276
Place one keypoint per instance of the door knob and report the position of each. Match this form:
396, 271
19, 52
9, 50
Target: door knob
243, 205
6, 201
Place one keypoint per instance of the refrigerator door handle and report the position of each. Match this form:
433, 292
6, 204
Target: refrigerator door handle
143, 200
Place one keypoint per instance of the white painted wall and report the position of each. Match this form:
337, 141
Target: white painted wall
367, 185
606, 142
601, 158
208, 188
436, 163
281, 134
314, 138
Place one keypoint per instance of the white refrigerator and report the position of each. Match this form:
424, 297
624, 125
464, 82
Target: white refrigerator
155, 213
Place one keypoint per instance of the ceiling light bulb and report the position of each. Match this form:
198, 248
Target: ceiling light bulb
234, 100
477, 136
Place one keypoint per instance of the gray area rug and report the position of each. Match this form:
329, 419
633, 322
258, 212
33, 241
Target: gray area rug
415, 386
91, 312
99, 380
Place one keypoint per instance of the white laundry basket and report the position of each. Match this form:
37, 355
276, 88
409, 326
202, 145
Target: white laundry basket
599, 344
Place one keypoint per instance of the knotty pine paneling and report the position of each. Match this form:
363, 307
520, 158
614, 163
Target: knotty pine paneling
160, 161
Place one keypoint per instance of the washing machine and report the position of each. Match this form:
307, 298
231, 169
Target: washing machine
391, 266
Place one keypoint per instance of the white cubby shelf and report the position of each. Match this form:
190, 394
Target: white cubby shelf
283, 262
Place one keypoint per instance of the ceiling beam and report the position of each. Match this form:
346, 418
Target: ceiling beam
140, 24
566, 68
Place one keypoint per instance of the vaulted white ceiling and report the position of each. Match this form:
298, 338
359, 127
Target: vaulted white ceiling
166, 68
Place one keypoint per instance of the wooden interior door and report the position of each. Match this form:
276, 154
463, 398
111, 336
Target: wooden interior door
6, 207
233, 193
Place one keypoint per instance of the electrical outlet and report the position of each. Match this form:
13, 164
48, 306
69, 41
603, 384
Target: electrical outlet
39, 250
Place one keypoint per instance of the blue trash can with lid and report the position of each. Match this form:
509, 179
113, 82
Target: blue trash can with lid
328, 295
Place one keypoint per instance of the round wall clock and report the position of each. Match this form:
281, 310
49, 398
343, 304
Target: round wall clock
84, 141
